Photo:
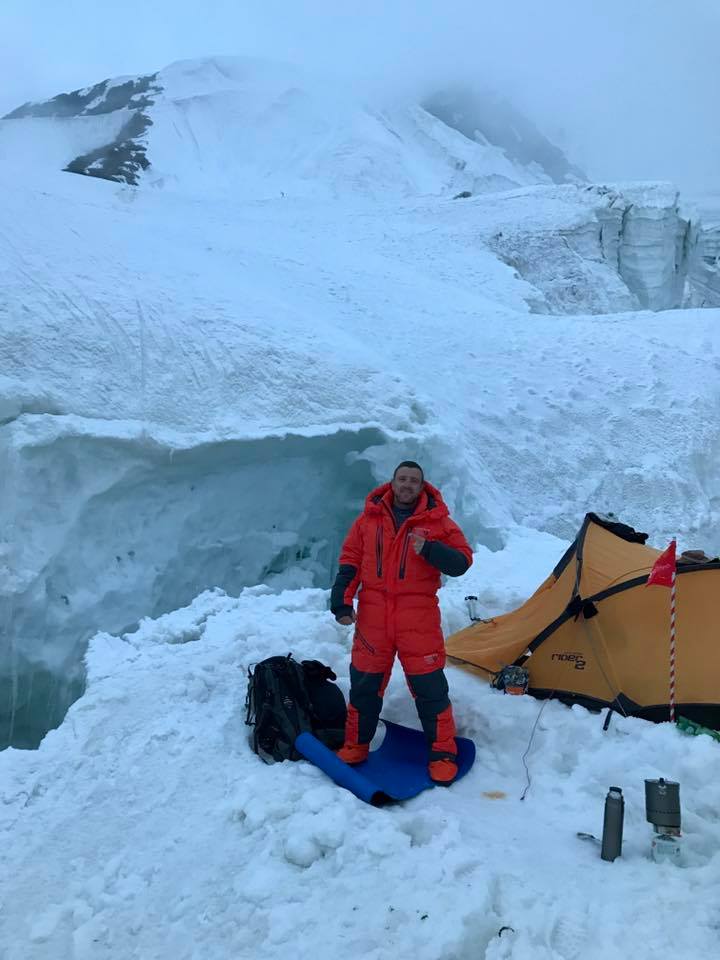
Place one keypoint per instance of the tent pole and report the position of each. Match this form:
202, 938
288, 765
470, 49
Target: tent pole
672, 648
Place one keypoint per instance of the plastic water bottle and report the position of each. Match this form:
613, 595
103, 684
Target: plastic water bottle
613, 824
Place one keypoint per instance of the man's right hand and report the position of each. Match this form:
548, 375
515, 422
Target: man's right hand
347, 620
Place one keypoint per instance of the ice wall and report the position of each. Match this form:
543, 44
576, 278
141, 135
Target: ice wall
609, 250
106, 530
645, 231
705, 276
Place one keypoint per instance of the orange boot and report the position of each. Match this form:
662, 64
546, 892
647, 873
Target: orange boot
353, 753
443, 772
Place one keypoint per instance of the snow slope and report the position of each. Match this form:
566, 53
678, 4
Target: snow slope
145, 827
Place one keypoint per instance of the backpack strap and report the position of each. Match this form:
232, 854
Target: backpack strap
294, 707
250, 705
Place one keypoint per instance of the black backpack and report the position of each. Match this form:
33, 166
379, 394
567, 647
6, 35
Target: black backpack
286, 698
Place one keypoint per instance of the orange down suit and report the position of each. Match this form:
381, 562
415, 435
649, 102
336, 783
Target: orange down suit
398, 611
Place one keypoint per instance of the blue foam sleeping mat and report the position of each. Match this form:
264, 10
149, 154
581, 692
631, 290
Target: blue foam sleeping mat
397, 770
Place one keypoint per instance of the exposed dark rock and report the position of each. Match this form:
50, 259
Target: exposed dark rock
485, 117
122, 159
136, 94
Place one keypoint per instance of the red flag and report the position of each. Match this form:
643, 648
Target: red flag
663, 569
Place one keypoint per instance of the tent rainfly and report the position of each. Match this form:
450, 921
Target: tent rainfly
594, 634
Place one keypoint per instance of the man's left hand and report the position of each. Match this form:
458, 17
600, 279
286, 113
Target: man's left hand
418, 542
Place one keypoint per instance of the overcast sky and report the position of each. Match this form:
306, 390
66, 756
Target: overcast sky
630, 88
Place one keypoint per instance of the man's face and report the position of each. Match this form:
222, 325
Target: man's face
406, 485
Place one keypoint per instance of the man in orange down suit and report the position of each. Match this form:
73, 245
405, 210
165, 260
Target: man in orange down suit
396, 549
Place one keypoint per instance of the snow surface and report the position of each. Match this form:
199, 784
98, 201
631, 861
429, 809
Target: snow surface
145, 827
200, 380
211, 390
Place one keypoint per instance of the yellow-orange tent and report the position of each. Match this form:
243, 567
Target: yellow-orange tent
594, 633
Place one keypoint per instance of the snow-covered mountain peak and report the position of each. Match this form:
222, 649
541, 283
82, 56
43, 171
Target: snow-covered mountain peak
257, 128
202, 76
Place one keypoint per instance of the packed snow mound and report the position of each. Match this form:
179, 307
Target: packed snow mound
260, 129
160, 833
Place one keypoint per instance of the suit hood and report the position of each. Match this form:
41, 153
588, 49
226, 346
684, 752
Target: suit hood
430, 501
